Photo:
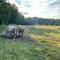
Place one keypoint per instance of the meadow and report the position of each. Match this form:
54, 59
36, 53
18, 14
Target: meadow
38, 43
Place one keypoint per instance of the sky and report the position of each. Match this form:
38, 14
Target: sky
38, 8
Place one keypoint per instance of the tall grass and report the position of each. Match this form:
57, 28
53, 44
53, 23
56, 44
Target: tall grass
23, 49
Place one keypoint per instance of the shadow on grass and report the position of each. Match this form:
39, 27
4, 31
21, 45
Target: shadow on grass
26, 39
2, 36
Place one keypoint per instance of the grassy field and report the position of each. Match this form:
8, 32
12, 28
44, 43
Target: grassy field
38, 43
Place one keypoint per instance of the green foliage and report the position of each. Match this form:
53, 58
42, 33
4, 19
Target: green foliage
42, 21
21, 19
9, 13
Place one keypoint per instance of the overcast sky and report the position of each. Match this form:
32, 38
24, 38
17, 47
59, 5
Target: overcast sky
38, 8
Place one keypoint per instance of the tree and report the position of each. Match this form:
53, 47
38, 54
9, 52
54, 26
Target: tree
9, 13
21, 19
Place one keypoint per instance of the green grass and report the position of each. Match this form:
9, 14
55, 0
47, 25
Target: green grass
27, 48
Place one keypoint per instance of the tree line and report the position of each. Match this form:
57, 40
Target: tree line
9, 14
42, 21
